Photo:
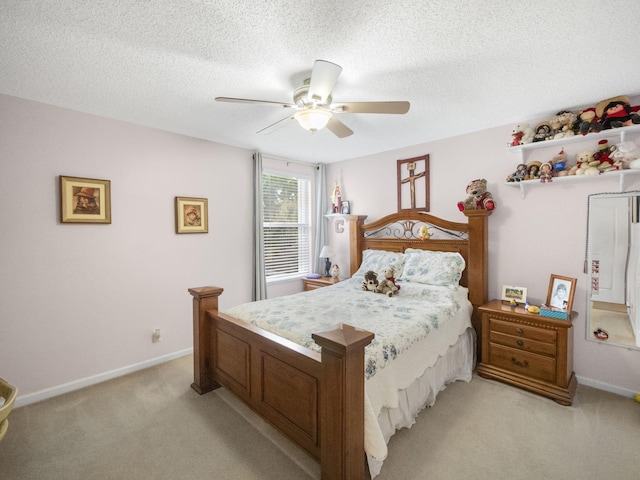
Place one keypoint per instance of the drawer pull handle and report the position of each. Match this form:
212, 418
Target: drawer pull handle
519, 331
520, 364
520, 342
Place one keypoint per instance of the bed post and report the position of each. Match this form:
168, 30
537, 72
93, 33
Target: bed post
204, 298
478, 263
342, 402
355, 238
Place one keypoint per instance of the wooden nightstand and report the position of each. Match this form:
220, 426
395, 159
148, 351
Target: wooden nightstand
313, 283
527, 350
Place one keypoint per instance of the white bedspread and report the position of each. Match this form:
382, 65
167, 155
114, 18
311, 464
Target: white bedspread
412, 330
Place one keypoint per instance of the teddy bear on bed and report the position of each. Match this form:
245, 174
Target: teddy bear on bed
388, 284
370, 283
479, 198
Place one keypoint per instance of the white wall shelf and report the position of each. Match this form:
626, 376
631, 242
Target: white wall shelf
523, 185
620, 134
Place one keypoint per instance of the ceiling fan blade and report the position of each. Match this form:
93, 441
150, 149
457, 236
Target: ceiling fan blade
338, 128
323, 78
275, 126
371, 107
247, 100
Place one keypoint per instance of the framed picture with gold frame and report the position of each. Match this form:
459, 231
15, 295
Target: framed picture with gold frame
413, 184
512, 293
85, 200
192, 215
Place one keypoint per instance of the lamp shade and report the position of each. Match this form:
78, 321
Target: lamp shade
313, 119
327, 252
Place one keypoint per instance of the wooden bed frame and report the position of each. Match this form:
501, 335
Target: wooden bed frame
317, 399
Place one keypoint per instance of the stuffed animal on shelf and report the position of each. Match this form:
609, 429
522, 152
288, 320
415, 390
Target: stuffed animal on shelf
546, 173
587, 121
519, 174
533, 168
543, 130
370, 283
479, 198
603, 156
559, 164
522, 134
628, 154
616, 112
584, 162
562, 125
388, 285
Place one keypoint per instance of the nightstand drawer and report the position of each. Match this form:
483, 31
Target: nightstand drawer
524, 363
523, 343
313, 283
524, 331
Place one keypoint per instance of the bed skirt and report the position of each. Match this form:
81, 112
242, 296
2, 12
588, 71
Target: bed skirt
457, 364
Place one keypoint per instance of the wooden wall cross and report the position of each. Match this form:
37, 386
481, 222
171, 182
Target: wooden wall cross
413, 184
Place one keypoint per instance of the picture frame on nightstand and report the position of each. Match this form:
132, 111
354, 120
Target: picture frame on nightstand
512, 293
561, 292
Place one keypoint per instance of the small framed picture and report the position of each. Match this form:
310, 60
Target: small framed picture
192, 215
512, 293
85, 200
561, 291
345, 210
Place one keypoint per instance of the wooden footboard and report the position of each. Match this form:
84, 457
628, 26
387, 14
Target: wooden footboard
317, 400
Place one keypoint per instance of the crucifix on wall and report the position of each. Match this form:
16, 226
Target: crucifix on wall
413, 184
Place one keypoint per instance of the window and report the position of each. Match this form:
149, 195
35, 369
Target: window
287, 225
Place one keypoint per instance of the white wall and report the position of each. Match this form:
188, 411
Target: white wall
77, 301
529, 239
80, 301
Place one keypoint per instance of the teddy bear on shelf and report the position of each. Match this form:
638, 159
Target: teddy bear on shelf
584, 162
388, 285
628, 154
559, 164
522, 134
616, 112
479, 198
370, 283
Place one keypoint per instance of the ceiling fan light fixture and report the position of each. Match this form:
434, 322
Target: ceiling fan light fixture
313, 119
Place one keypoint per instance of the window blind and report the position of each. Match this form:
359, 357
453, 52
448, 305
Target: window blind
287, 217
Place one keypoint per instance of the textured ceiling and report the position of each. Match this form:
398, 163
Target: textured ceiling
464, 65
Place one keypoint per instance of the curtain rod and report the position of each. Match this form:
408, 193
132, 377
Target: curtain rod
288, 160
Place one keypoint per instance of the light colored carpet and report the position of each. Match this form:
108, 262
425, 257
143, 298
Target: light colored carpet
152, 425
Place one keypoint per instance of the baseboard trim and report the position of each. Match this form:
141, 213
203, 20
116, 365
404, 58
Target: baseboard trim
51, 392
606, 387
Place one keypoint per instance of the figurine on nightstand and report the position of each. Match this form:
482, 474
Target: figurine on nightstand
335, 271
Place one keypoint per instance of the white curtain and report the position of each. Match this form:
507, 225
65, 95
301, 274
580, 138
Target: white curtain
321, 210
259, 277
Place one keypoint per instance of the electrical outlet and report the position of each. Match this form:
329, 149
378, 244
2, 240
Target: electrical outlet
155, 336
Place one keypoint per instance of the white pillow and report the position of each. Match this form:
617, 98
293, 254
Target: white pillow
432, 268
379, 261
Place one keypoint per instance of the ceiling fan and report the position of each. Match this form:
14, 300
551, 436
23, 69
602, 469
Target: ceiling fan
313, 105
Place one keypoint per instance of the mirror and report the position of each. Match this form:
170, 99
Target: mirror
613, 269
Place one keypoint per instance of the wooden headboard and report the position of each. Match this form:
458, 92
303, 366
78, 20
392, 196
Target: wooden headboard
399, 231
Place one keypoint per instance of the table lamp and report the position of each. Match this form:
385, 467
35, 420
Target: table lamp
326, 253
